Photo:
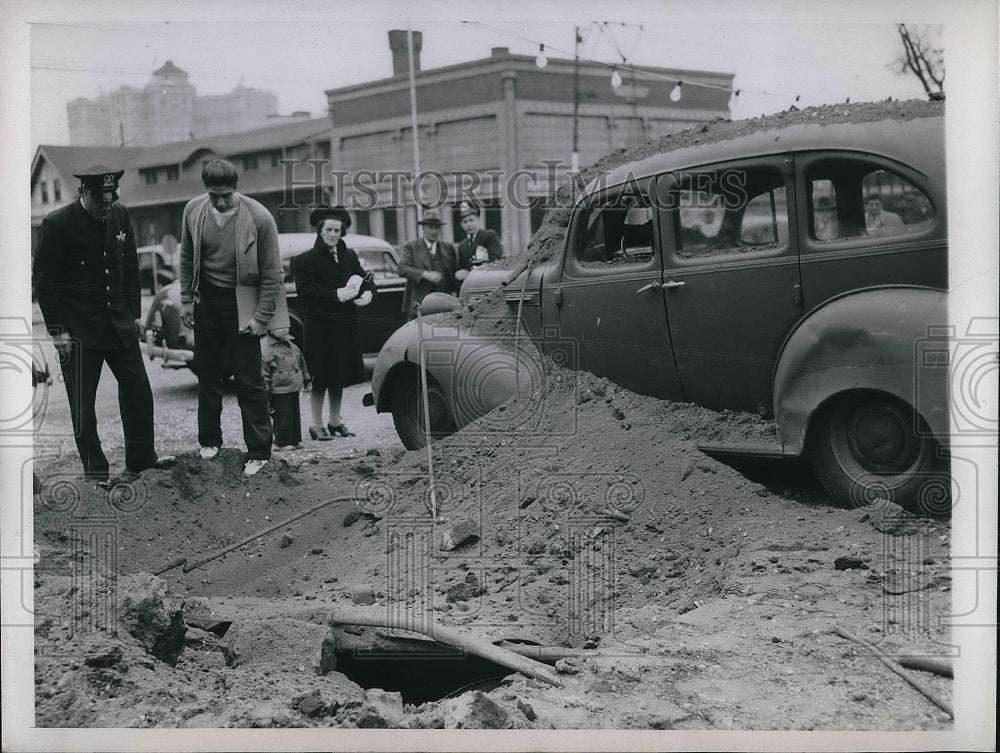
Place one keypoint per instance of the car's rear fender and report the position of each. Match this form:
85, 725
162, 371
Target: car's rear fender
892, 340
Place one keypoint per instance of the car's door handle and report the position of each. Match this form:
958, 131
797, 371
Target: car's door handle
655, 285
674, 283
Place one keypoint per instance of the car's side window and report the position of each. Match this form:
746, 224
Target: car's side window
854, 198
617, 229
730, 212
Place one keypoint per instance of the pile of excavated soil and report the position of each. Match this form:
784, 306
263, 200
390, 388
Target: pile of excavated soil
607, 532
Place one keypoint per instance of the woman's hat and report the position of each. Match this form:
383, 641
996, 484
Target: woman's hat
318, 215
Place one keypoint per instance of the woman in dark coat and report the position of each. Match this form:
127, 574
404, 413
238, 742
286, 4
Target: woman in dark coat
331, 287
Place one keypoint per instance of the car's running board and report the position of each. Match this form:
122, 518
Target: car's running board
744, 450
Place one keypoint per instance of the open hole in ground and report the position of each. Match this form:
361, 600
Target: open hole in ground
419, 670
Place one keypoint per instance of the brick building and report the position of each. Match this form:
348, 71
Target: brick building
496, 118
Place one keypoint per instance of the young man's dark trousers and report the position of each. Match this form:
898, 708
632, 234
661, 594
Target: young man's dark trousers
217, 344
81, 371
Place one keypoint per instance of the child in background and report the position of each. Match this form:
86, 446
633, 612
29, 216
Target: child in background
285, 375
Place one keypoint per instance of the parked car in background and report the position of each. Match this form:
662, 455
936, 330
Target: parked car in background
156, 268
168, 340
698, 275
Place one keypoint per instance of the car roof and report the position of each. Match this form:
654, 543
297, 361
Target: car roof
915, 138
293, 244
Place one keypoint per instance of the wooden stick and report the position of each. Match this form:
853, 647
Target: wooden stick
929, 693
452, 637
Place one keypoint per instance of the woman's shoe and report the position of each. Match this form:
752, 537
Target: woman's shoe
319, 433
340, 429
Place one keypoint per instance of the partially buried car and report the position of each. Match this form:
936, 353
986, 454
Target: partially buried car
167, 339
698, 274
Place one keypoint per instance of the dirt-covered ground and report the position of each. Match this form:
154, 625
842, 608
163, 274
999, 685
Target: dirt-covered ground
696, 599
675, 592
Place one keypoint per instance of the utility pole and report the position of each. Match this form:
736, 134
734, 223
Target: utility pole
575, 160
413, 110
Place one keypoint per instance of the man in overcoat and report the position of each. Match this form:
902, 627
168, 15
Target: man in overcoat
86, 278
427, 264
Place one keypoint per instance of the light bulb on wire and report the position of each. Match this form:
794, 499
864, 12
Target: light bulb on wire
616, 78
541, 61
675, 93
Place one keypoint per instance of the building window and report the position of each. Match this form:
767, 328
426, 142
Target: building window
45, 192
250, 162
56, 190
173, 172
148, 176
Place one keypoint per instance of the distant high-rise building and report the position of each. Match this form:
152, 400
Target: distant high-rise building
166, 109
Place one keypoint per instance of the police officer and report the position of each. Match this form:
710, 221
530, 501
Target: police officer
86, 278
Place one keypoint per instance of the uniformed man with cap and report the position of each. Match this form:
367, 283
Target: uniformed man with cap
479, 244
86, 278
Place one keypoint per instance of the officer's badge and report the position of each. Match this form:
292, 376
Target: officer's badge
120, 237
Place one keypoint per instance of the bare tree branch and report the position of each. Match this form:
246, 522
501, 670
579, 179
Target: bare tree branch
921, 58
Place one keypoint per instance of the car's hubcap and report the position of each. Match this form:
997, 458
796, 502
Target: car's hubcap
882, 439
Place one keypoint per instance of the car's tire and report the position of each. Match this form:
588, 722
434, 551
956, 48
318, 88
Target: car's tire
408, 411
867, 446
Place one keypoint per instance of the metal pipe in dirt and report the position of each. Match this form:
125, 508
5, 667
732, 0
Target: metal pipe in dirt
427, 412
183, 563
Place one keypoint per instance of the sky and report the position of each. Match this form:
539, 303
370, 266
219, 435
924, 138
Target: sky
819, 57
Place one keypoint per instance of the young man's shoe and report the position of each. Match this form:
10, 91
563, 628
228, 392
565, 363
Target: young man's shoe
253, 467
208, 453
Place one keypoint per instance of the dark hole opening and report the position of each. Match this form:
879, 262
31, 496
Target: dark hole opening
420, 670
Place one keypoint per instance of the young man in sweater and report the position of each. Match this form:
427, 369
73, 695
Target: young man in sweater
229, 240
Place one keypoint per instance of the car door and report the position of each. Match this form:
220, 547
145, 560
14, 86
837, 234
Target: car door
731, 277
842, 250
609, 298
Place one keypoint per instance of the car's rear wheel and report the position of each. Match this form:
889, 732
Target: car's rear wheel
408, 411
869, 445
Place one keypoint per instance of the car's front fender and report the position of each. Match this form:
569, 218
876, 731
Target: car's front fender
477, 372
877, 339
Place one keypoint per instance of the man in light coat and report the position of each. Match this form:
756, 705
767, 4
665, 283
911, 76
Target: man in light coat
229, 241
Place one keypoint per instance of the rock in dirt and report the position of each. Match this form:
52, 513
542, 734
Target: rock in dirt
849, 563
311, 705
888, 517
290, 643
567, 667
525, 708
104, 659
461, 533
352, 517
286, 541
381, 709
149, 615
483, 713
